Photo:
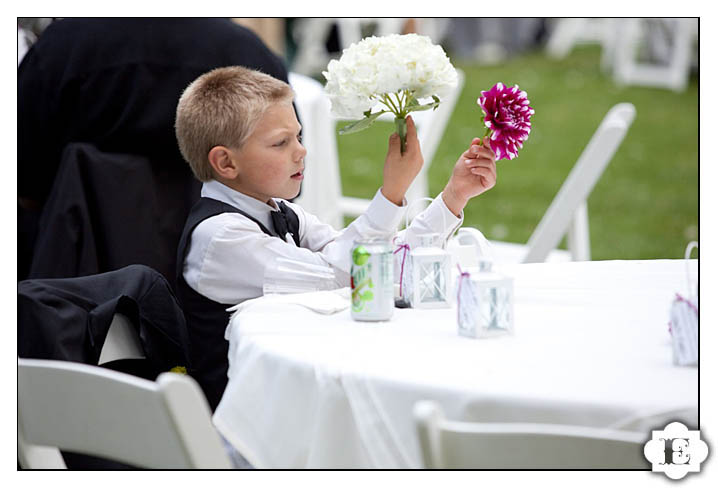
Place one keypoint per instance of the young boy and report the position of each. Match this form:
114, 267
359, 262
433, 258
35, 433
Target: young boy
237, 129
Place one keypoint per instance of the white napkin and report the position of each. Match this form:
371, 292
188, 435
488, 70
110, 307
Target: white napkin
322, 301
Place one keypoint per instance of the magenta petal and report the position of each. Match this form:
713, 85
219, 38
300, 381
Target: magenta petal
508, 114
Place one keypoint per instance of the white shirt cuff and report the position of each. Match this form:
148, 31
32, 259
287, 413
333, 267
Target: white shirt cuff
383, 213
438, 218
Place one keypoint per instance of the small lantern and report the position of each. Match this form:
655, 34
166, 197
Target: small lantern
430, 269
683, 325
485, 303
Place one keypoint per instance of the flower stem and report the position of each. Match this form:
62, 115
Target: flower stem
404, 98
400, 105
488, 131
400, 124
389, 104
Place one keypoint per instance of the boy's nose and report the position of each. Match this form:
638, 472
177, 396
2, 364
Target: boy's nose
302, 151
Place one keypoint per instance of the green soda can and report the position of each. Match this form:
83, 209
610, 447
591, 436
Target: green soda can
372, 280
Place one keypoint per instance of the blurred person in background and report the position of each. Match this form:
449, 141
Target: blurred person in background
114, 83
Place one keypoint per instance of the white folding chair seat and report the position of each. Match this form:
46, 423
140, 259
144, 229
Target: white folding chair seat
96, 411
462, 445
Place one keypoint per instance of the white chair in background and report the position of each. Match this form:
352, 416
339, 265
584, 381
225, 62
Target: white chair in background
349, 29
96, 411
310, 35
462, 445
677, 37
567, 32
620, 40
321, 188
568, 213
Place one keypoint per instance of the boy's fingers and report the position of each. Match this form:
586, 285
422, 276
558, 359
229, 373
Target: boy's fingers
487, 175
482, 162
488, 146
412, 141
476, 151
410, 126
472, 152
394, 144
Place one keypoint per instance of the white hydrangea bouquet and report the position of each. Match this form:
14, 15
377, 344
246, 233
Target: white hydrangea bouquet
395, 74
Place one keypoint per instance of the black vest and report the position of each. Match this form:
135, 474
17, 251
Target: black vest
207, 319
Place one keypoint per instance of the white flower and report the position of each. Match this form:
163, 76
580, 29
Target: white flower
402, 65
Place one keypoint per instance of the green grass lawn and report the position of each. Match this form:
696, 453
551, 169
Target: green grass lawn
645, 205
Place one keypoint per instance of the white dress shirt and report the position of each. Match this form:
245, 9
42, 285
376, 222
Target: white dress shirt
228, 252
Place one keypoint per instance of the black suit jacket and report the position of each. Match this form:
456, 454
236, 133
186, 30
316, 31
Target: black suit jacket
110, 210
68, 319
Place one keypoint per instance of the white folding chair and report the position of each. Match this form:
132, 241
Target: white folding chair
620, 39
567, 32
462, 445
568, 213
96, 411
673, 72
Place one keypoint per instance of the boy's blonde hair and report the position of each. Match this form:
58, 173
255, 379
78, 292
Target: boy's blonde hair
221, 108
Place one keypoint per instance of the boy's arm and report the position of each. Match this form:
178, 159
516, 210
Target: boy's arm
473, 174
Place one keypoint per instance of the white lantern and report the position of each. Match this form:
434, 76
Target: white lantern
684, 319
430, 272
485, 303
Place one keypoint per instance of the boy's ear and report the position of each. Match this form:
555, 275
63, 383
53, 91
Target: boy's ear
220, 158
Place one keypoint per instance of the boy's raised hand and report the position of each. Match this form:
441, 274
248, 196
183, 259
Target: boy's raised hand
401, 169
474, 174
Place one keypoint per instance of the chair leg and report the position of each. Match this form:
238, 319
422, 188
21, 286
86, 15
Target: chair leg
578, 236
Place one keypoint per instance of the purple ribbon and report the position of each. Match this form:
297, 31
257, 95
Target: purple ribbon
690, 304
406, 248
462, 276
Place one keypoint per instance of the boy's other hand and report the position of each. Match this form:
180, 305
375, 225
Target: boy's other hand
473, 174
401, 169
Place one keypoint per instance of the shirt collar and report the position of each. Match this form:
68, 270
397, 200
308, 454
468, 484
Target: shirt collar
255, 208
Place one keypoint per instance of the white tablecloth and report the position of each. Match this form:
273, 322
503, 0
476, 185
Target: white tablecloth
591, 347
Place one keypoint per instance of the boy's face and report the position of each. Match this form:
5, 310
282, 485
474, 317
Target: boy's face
271, 161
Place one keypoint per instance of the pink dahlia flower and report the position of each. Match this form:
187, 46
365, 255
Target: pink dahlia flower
507, 115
